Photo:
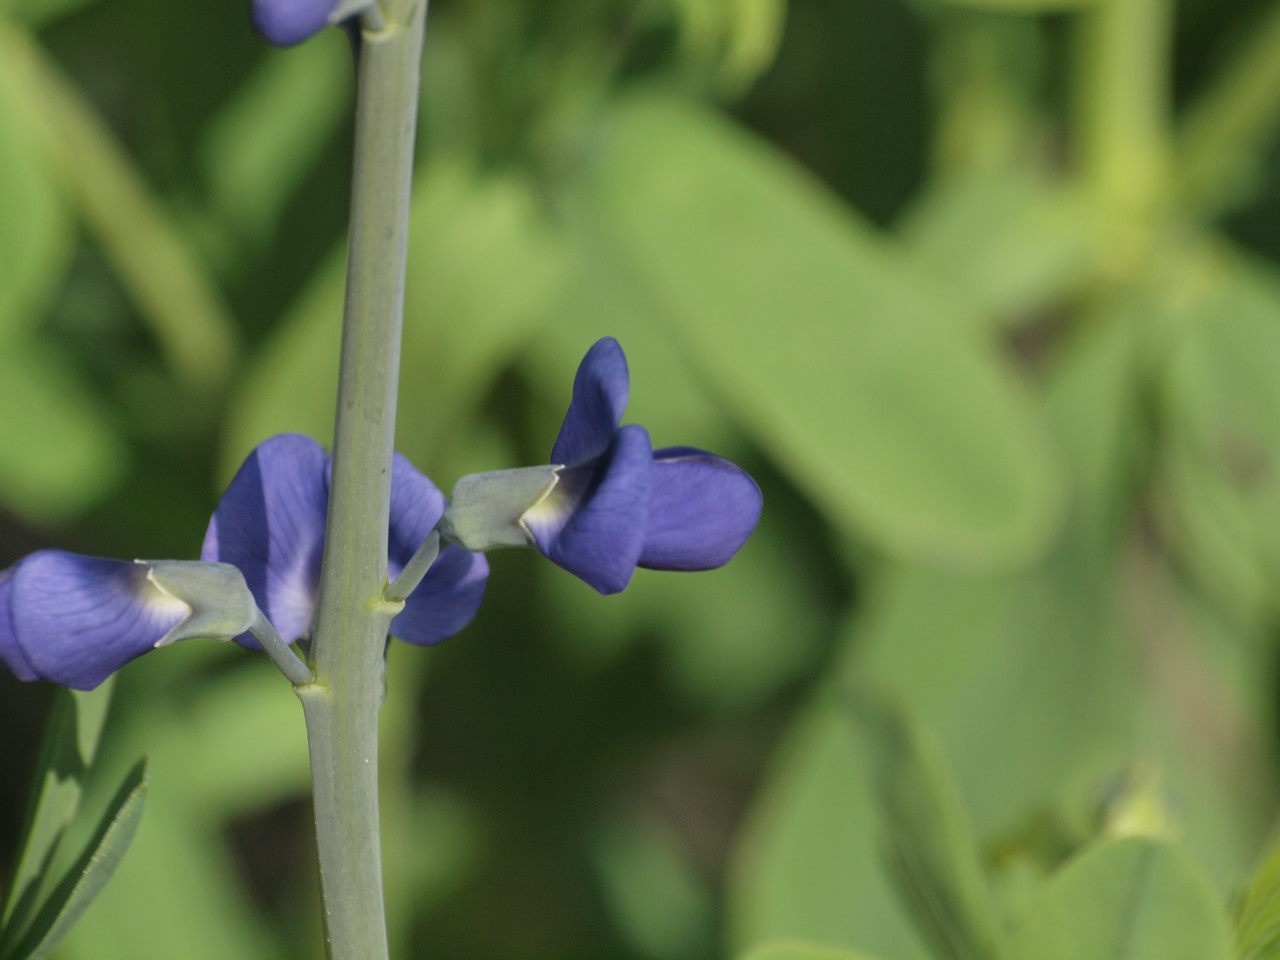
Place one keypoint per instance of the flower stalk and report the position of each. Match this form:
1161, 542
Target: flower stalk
341, 705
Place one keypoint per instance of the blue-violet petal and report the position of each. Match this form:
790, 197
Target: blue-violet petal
449, 595
702, 510
416, 508
593, 523
446, 600
78, 619
11, 654
600, 392
270, 524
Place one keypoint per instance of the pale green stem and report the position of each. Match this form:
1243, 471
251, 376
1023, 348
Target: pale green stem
1123, 79
341, 706
280, 652
1232, 123
415, 569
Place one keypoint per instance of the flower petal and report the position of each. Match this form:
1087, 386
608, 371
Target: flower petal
446, 600
286, 22
79, 619
11, 654
449, 595
600, 392
593, 523
416, 508
702, 511
270, 524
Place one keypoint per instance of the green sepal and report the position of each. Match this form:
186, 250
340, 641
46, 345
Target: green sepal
221, 605
487, 509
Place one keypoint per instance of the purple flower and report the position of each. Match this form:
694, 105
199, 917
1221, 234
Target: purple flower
270, 524
620, 504
74, 620
286, 22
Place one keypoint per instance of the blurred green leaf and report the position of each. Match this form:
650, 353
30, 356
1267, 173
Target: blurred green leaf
135, 232
1010, 242
1221, 454
38, 12
483, 268
867, 387
262, 142
35, 234
738, 37
1094, 395
67, 752
806, 866
1131, 899
783, 950
931, 848
658, 901
1024, 6
91, 872
1257, 915
58, 452
1024, 678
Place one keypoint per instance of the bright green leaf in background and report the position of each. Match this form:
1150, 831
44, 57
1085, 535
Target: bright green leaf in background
861, 378
1132, 899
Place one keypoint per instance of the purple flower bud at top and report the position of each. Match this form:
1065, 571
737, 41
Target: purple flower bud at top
286, 22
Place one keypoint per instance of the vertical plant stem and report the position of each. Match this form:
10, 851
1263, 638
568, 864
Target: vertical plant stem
341, 706
1123, 83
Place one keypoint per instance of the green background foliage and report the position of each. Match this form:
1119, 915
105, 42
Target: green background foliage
986, 296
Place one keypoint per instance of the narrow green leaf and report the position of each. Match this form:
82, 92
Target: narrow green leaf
794, 950
91, 872
841, 357
1130, 899
66, 754
1257, 915
930, 844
